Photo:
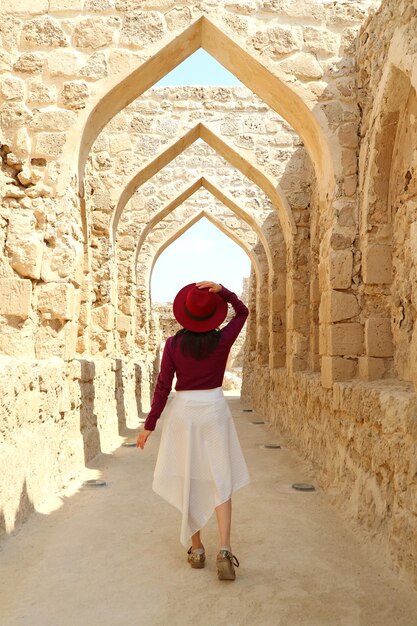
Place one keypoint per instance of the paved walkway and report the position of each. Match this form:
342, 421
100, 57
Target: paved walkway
111, 556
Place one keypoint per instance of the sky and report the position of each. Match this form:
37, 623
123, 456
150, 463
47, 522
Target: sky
203, 252
199, 69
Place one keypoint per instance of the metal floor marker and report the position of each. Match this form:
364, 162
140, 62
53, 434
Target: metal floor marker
94, 482
303, 487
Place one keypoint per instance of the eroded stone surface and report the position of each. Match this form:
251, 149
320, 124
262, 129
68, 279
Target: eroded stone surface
333, 299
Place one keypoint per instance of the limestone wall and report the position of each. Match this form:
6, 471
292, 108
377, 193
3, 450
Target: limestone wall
361, 434
313, 174
57, 416
361, 438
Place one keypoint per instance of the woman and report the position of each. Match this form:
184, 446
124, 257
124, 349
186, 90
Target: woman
200, 462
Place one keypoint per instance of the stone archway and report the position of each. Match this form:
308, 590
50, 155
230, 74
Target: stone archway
265, 181
385, 323
267, 85
203, 33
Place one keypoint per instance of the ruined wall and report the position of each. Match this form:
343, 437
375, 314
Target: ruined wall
361, 435
334, 297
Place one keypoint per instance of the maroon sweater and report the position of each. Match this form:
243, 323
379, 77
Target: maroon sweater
194, 373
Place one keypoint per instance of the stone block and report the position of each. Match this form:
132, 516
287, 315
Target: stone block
141, 29
63, 63
348, 135
49, 144
350, 185
378, 337
14, 114
298, 317
6, 61
103, 317
123, 323
349, 161
296, 291
39, 93
93, 32
277, 301
15, 297
345, 339
56, 300
321, 42
303, 65
295, 364
43, 32
53, 120
377, 264
340, 269
323, 332
98, 6
26, 255
178, 18
315, 295
371, 368
336, 306
127, 304
277, 359
95, 68
335, 369
119, 143
11, 88
278, 41
74, 94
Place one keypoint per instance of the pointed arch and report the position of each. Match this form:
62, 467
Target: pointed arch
222, 197
203, 33
263, 180
222, 227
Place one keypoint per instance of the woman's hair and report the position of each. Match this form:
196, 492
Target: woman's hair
197, 345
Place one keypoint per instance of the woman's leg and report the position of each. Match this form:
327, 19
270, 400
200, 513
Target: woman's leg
196, 541
224, 521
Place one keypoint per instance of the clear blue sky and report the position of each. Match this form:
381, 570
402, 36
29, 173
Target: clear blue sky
203, 252
199, 69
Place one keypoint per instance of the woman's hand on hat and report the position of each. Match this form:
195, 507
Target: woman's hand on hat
142, 438
207, 284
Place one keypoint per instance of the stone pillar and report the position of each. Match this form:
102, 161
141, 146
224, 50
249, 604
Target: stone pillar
298, 316
379, 347
340, 332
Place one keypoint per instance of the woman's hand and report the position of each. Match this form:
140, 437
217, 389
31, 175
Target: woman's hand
142, 438
207, 284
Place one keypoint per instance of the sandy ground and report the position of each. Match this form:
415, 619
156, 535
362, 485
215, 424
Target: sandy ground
111, 556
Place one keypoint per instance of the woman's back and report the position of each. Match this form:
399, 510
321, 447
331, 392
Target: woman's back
193, 373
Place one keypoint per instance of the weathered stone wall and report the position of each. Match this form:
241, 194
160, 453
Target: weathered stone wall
96, 168
362, 435
56, 416
362, 439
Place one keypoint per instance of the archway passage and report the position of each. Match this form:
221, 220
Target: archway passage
204, 34
203, 183
171, 228
200, 131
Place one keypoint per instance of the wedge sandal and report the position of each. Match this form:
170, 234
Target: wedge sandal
196, 560
226, 563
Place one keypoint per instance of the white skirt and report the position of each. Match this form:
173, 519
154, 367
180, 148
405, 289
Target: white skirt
200, 461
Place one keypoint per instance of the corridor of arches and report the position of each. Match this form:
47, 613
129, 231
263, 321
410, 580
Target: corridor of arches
309, 165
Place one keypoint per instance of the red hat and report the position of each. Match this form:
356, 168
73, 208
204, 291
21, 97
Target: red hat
199, 310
